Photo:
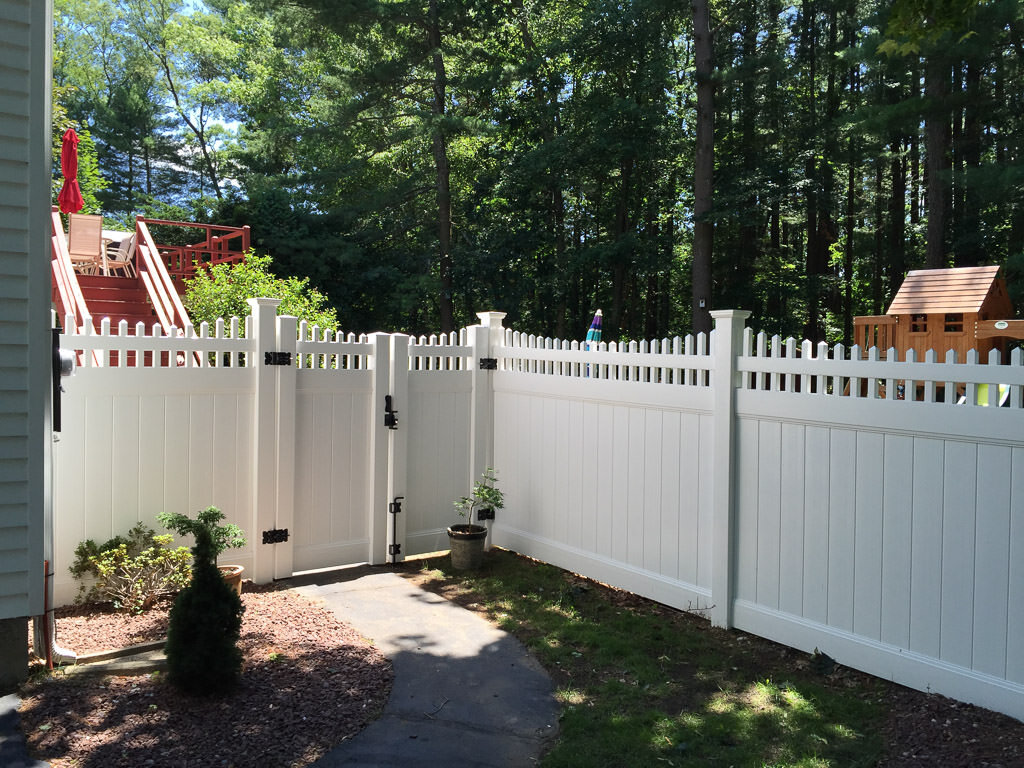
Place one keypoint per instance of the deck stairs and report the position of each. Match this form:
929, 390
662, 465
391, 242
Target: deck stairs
119, 298
153, 295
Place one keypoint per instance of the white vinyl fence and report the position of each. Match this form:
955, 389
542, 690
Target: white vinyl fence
873, 509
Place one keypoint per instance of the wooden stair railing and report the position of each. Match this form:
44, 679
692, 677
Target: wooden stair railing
76, 311
66, 278
169, 309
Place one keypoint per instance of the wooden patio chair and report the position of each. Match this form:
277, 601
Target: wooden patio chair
85, 242
121, 258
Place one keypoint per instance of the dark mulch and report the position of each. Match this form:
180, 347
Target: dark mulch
309, 682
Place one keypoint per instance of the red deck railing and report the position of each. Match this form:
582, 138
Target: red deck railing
219, 245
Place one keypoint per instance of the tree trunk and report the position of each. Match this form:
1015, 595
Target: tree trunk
970, 251
747, 253
812, 255
443, 174
936, 87
897, 217
915, 153
876, 274
704, 166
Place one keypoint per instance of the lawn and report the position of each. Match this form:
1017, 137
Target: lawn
646, 685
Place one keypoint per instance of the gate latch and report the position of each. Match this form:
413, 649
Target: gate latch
390, 414
396, 506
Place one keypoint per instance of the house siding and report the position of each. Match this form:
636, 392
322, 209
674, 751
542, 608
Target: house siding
24, 306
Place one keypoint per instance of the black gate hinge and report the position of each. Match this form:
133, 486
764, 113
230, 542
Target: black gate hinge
277, 358
394, 549
275, 536
487, 513
390, 414
488, 363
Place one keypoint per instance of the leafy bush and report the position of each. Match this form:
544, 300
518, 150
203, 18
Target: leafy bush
203, 657
130, 571
224, 289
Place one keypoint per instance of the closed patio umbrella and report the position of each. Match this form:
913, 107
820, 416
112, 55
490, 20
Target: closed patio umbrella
594, 333
593, 337
70, 197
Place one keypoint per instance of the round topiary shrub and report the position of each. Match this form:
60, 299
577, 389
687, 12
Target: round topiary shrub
203, 657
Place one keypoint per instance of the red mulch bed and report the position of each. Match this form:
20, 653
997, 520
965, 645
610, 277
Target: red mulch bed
309, 682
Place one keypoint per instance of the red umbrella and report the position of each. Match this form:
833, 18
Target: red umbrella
70, 197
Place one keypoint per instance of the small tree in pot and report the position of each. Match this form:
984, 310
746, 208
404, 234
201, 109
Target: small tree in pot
467, 539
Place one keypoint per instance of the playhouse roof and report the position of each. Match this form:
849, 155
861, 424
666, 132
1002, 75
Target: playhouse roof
964, 289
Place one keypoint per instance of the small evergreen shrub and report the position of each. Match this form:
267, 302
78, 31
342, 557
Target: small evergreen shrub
203, 657
131, 571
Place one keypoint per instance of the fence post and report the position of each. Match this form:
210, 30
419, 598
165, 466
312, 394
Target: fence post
286, 380
484, 339
264, 437
397, 467
728, 342
380, 437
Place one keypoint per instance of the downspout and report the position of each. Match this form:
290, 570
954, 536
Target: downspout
44, 628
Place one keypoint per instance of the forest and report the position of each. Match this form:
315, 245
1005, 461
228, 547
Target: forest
424, 160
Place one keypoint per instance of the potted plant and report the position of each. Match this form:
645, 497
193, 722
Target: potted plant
467, 539
222, 536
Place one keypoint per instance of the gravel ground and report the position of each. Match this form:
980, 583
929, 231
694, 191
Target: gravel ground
309, 682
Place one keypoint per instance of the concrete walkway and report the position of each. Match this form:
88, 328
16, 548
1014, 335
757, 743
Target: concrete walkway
12, 743
465, 693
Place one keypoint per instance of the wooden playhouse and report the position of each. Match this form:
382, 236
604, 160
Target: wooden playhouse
944, 309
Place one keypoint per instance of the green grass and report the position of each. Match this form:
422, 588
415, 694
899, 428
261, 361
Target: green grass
645, 685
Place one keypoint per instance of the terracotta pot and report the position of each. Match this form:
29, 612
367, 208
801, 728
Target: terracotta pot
233, 576
467, 545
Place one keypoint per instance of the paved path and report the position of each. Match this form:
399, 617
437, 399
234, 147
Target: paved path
12, 744
465, 693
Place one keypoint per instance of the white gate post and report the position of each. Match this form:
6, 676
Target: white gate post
379, 441
728, 341
286, 379
264, 437
397, 466
484, 339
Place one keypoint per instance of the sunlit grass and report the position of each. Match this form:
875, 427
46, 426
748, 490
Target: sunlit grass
641, 685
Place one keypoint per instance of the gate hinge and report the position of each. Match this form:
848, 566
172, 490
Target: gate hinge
396, 506
488, 363
486, 513
277, 358
275, 536
394, 549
